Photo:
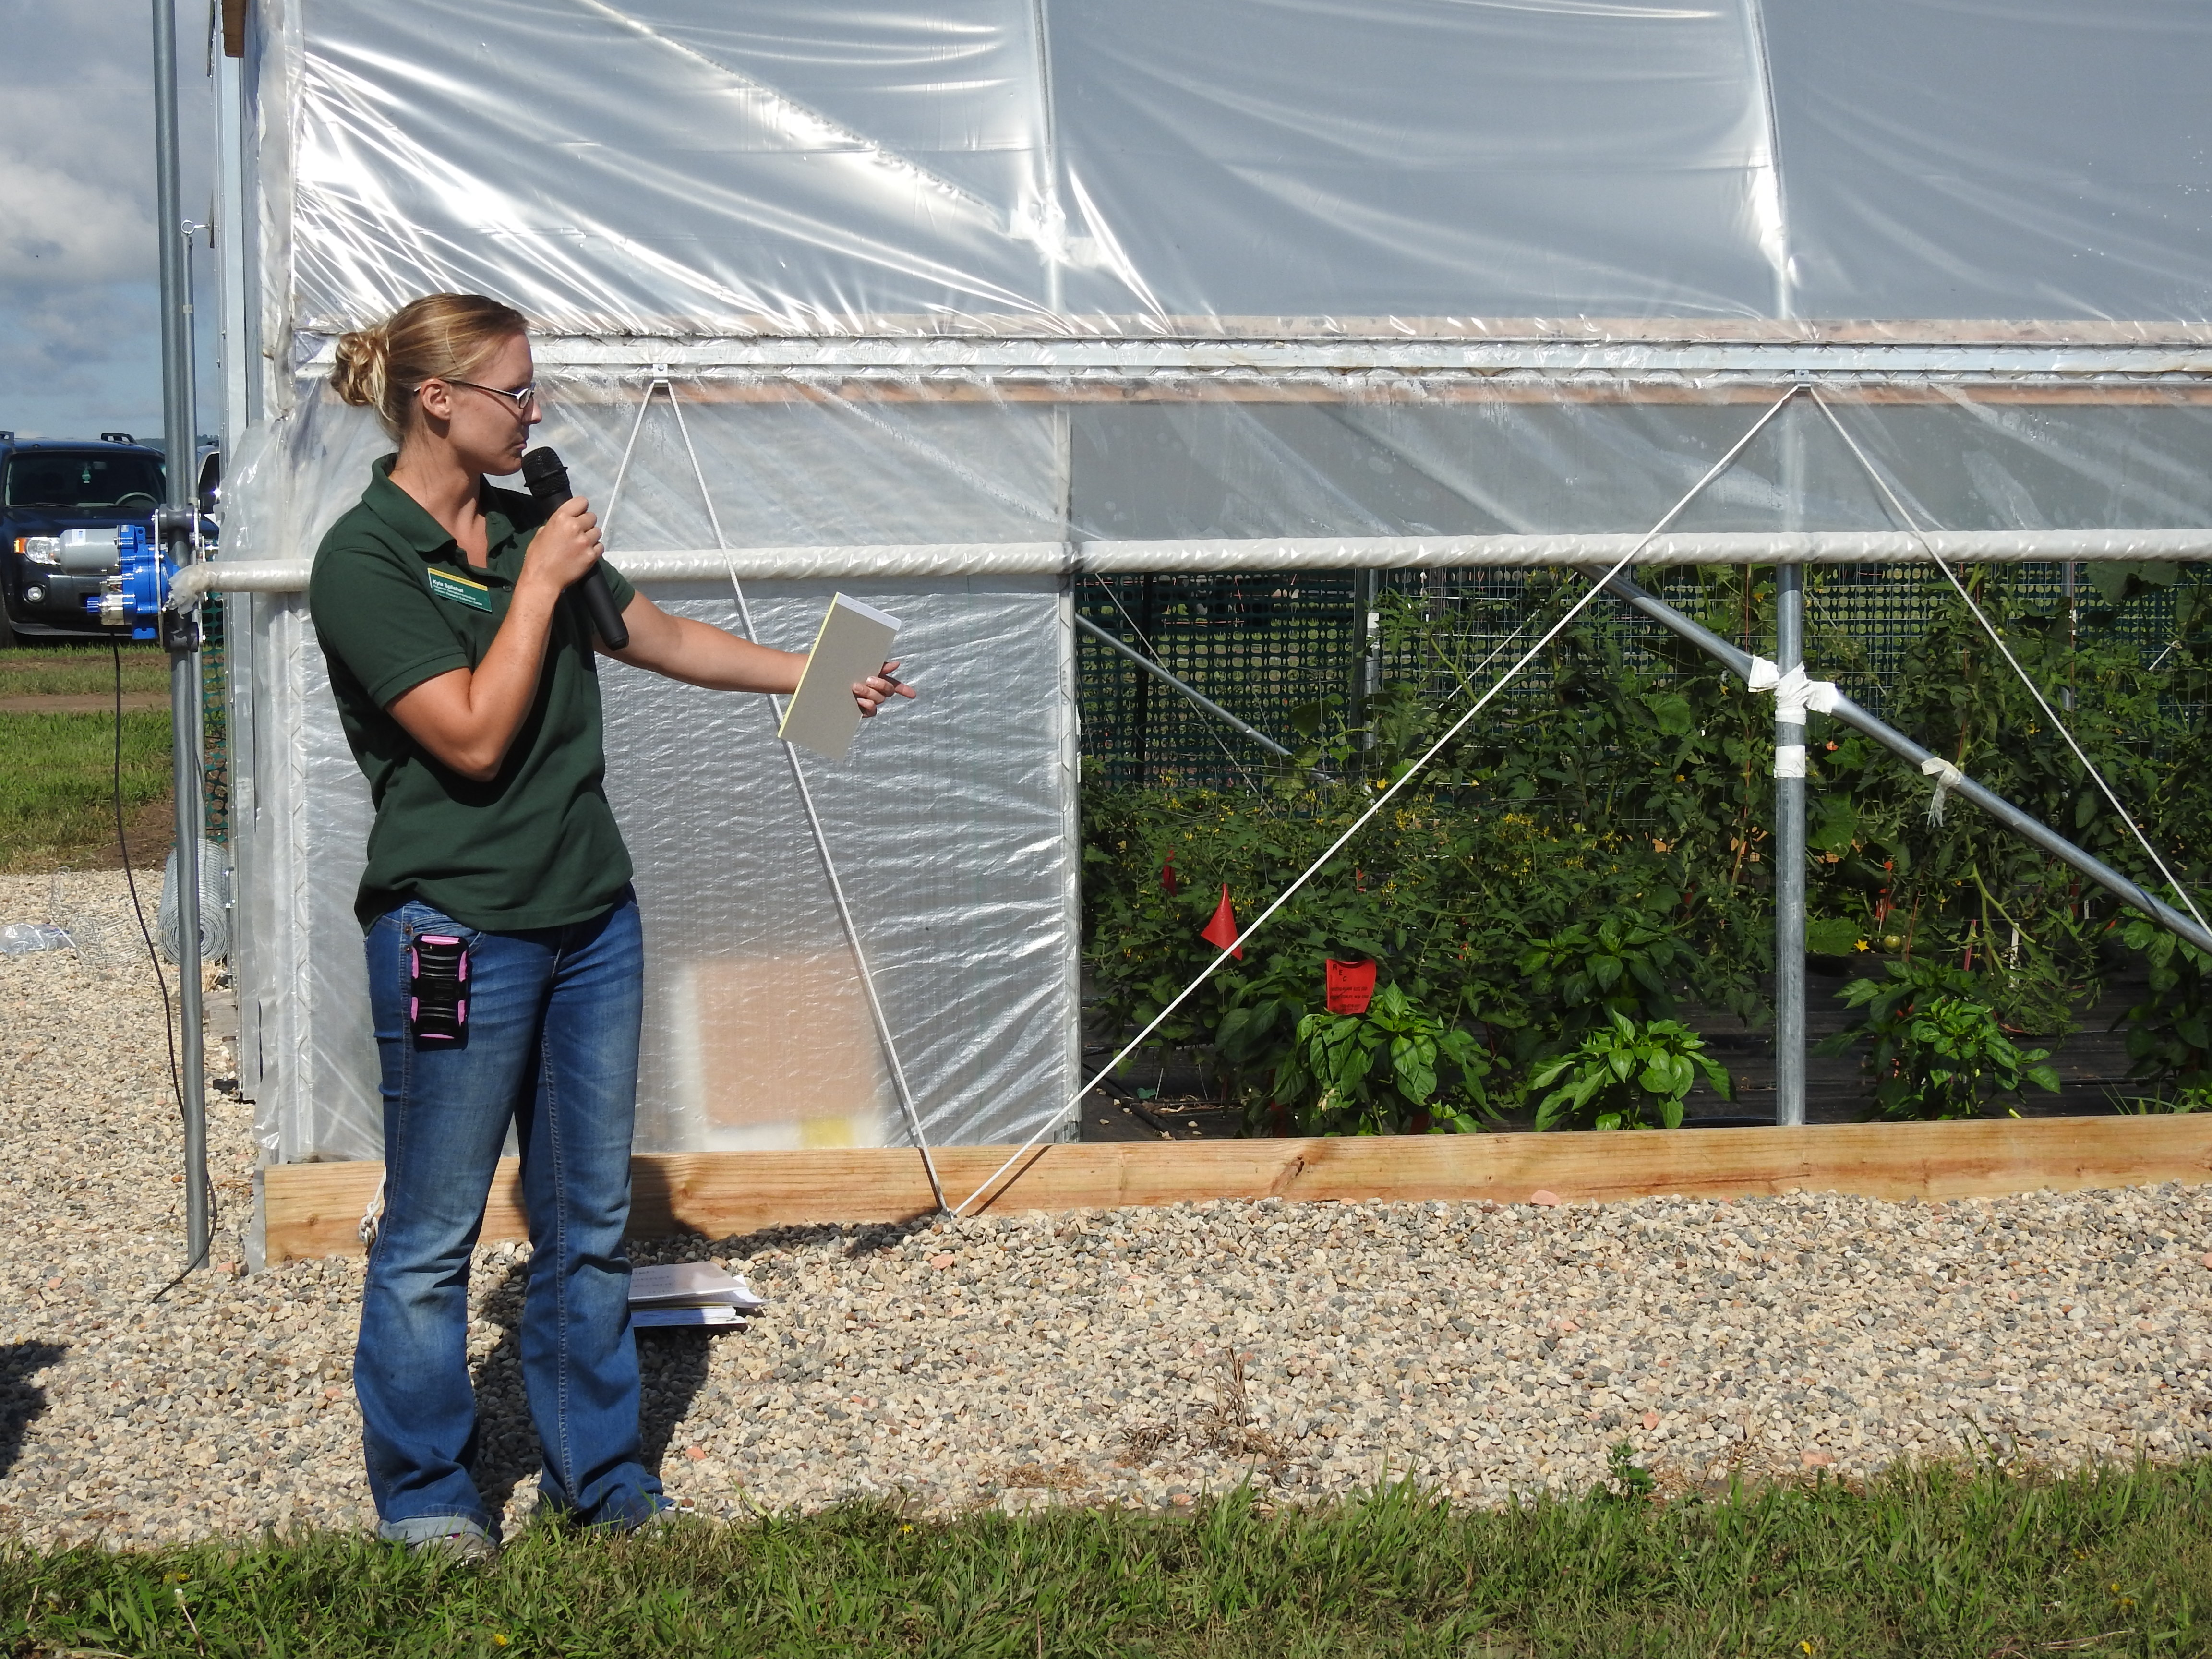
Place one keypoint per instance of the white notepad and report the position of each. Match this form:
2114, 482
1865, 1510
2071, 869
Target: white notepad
855, 642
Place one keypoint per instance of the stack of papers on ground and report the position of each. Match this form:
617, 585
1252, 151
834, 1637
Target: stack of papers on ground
689, 1293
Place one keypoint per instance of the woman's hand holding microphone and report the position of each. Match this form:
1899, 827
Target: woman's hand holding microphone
564, 547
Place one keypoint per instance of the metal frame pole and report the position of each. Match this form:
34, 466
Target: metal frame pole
1788, 857
1366, 658
180, 629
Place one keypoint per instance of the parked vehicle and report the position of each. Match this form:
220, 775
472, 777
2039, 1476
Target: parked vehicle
61, 501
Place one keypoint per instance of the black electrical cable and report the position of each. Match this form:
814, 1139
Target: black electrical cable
160, 979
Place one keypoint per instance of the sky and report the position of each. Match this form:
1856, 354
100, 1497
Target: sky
80, 326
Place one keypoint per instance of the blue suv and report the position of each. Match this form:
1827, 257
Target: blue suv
60, 502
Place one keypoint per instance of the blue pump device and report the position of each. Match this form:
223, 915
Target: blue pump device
135, 596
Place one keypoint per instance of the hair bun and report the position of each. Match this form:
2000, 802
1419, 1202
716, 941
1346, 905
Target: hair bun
362, 359
440, 337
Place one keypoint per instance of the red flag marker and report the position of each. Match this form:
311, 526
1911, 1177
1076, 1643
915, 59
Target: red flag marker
1221, 932
1168, 875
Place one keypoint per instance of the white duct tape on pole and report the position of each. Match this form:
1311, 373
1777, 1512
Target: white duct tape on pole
1947, 777
195, 581
1794, 692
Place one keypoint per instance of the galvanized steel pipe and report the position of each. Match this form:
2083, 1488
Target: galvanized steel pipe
902, 561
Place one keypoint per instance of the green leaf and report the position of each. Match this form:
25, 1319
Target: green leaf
1836, 827
1413, 1062
2109, 579
1672, 713
1832, 936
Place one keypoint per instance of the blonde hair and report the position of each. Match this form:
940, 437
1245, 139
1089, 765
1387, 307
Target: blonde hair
440, 337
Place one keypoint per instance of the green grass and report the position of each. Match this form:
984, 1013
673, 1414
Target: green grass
1934, 1563
78, 671
56, 782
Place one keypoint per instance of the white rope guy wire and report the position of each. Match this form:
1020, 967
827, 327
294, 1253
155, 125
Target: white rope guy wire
622, 467
814, 825
1383, 799
1946, 778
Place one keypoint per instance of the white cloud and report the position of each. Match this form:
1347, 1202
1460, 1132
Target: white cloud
56, 227
79, 324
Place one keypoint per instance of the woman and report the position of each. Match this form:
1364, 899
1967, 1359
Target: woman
466, 682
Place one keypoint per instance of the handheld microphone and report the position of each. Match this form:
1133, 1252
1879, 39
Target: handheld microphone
549, 482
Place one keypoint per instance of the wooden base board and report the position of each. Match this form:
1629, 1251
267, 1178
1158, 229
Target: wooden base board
314, 1209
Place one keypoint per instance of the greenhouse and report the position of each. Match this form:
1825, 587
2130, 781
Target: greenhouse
1346, 362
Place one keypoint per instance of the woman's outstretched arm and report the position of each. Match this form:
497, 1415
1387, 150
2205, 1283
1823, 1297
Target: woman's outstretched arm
699, 655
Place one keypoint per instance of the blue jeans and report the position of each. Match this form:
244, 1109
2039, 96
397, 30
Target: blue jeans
552, 1047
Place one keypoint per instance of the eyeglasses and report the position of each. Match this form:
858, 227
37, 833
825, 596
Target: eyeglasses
525, 398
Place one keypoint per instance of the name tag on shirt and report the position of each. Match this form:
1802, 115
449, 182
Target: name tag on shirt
460, 590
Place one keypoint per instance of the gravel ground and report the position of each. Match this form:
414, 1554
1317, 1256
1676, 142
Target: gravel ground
1137, 1356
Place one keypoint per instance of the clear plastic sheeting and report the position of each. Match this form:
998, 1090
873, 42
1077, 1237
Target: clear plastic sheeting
756, 1033
1995, 158
949, 825
1417, 464
690, 168
786, 168
1417, 158
951, 822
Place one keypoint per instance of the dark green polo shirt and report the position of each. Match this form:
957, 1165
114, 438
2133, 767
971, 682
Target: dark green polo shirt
396, 602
